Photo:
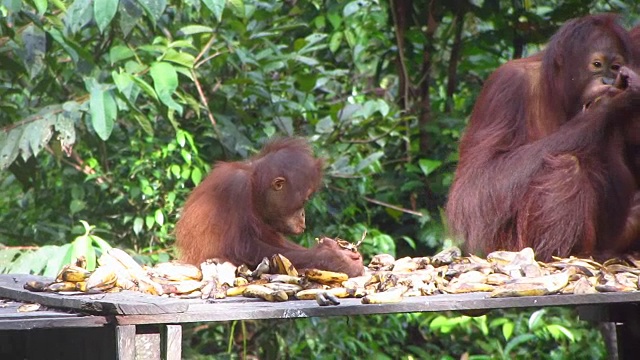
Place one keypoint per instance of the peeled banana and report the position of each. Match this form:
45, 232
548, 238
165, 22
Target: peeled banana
102, 279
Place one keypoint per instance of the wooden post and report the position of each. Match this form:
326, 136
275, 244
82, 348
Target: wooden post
171, 342
125, 342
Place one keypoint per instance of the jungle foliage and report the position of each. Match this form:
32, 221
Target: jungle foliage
112, 110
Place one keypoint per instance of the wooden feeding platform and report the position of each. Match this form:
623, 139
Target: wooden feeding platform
112, 323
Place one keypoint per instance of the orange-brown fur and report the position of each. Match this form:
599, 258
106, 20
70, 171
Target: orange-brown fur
231, 217
537, 171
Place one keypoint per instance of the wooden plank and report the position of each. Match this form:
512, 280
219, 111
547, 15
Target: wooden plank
246, 309
11, 319
171, 344
126, 342
122, 303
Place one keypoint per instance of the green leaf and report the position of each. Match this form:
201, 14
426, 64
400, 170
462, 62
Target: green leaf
64, 125
103, 110
153, 8
196, 176
180, 58
428, 166
366, 162
79, 14
351, 8
40, 133
54, 256
120, 52
103, 12
9, 146
165, 82
76, 206
558, 331
144, 123
60, 38
129, 14
102, 244
516, 341
41, 6
306, 82
145, 87
149, 221
536, 319
237, 7
175, 170
336, 40
186, 172
306, 60
138, 223
7, 255
35, 46
83, 246
195, 29
216, 7
159, 216
507, 330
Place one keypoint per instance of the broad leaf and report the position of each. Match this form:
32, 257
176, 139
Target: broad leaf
103, 111
165, 82
79, 14
195, 29
104, 11
9, 147
35, 46
129, 14
216, 7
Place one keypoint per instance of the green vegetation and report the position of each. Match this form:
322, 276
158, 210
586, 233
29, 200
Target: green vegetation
112, 110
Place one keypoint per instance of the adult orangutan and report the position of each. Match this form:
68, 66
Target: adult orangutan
242, 210
542, 161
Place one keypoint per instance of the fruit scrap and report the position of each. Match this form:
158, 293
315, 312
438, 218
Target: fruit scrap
263, 292
325, 277
390, 296
325, 298
102, 279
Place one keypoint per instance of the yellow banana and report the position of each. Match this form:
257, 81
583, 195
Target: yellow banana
290, 289
102, 279
265, 293
81, 286
148, 286
61, 286
73, 273
282, 265
325, 277
310, 294
239, 281
389, 296
236, 291
515, 289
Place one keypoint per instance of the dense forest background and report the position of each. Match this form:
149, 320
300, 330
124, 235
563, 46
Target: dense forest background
112, 110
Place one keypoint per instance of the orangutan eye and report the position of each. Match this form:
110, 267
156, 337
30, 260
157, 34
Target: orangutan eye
597, 64
615, 67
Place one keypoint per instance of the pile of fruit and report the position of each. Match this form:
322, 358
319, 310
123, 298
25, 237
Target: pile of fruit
386, 279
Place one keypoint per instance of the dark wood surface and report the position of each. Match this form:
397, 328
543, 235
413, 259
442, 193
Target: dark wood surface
132, 308
123, 303
243, 308
12, 319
